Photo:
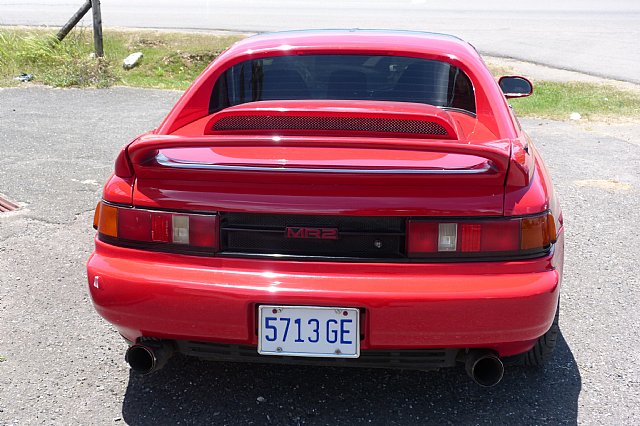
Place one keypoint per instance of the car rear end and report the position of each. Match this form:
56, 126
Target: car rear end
343, 232
425, 263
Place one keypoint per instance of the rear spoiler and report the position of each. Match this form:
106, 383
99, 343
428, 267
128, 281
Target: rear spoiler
145, 150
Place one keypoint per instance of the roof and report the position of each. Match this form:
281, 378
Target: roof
355, 31
374, 40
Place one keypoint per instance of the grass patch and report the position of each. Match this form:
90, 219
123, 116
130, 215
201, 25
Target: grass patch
558, 100
54, 64
174, 60
3, 358
171, 60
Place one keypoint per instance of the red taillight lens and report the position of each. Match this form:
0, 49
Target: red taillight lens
203, 231
471, 237
161, 227
500, 235
183, 231
477, 238
422, 237
134, 224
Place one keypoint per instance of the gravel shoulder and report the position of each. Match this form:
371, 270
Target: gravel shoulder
62, 364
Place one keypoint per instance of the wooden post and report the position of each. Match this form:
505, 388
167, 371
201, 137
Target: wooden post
74, 20
97, 28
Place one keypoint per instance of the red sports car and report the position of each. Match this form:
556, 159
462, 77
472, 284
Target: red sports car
350, 198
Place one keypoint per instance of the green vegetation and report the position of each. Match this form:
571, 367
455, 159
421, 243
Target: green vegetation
559, 99
3, 358
171, 60
174, 60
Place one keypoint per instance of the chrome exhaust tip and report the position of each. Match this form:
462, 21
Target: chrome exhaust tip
484, 367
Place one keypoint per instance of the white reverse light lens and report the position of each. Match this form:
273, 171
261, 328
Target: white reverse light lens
180, 229
447, 236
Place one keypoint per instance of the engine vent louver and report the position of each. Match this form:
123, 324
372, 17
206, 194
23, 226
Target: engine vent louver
331, 124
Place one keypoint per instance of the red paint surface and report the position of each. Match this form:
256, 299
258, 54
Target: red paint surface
503, 305
497, 304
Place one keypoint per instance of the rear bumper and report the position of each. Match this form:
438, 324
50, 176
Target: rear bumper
504, 306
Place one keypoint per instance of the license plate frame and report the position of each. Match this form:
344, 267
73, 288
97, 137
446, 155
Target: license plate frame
348, 328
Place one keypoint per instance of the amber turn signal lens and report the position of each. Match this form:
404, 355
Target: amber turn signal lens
108, 220
96, 216
535, 232
552, 228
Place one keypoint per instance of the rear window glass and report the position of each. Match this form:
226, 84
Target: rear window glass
359, 77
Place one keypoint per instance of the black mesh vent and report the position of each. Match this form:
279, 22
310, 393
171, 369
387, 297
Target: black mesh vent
356, 124
357, 236
419, 359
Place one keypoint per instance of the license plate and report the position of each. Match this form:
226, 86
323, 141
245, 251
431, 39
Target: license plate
311, 331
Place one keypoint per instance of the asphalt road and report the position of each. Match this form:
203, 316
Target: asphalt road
591, 36
62, 364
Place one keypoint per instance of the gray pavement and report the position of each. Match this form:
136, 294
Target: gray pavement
64, 365
594, 37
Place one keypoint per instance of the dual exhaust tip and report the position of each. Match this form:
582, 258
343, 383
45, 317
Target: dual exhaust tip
483, 366
147, 357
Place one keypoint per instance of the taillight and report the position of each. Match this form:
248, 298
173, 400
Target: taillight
477, 238
177, 231
108, 220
